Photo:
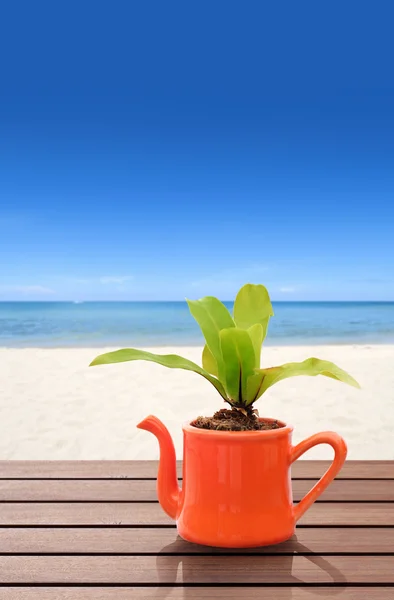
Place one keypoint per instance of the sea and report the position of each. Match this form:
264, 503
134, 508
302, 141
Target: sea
147, 324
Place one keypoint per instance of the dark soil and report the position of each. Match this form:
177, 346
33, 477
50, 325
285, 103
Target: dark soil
234, 420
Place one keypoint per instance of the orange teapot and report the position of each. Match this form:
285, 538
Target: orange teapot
236, 490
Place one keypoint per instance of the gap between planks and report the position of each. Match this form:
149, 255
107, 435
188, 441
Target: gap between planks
196, 593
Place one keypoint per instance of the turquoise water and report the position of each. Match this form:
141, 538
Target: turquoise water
62, 324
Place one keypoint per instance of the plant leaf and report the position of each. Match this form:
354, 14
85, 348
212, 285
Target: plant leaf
239, 360
310, 366
212, 316
208, 361
253, 305
172, 361
256, 333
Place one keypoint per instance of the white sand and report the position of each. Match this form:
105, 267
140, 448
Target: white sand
52, 406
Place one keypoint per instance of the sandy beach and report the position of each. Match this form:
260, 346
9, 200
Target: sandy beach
53, 406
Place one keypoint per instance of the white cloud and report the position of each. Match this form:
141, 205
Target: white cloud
105, 280
27, 289
287, 290
116, 279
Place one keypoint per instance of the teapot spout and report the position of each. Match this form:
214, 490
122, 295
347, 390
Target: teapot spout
168, 490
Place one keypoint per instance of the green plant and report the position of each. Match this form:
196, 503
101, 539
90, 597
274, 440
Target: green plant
231, 355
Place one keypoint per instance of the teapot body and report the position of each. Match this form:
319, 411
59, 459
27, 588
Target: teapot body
236, 490
236, 487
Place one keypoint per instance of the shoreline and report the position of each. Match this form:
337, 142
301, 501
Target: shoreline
53, 406
267, 344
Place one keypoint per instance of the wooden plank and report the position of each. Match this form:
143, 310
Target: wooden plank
104, 514
199, 593
189, 570
311, 469
109, 490
134, 514
160, 540
121, 490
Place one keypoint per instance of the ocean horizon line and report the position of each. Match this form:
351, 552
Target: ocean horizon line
184, 301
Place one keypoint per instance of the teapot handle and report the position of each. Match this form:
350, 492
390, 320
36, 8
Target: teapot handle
340, 449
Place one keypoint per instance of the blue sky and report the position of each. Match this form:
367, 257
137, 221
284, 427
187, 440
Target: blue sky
160, 150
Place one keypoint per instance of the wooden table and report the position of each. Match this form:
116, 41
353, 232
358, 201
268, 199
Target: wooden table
84, 530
